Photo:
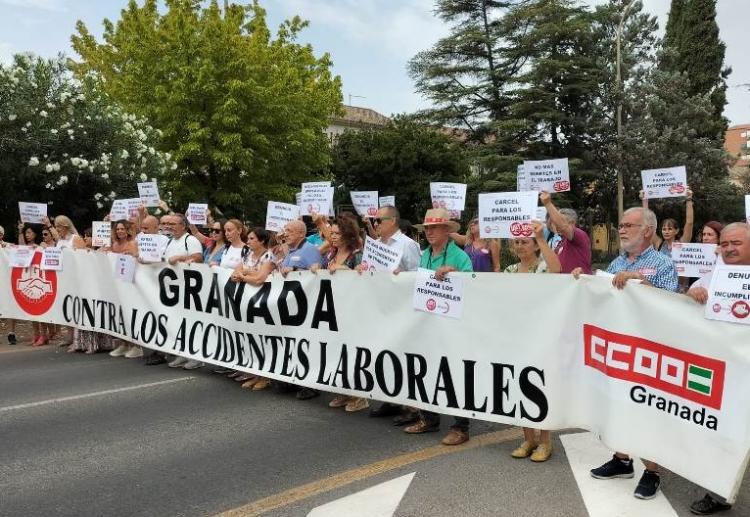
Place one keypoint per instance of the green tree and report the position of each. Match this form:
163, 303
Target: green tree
242, 112
401, 159
693, 47
65, 143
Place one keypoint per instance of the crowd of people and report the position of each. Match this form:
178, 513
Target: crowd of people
558, 246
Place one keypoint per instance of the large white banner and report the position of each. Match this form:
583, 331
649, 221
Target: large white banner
641, 368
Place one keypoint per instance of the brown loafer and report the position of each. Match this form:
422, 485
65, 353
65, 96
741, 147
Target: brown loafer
421, 427
262, 384
455, 437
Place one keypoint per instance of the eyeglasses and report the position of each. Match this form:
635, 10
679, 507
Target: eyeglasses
215, 230
628, 226
379, 220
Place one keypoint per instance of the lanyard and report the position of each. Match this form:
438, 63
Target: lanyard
444, 254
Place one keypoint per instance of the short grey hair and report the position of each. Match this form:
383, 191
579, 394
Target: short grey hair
648, 217
392, 211
570, 215
737, 226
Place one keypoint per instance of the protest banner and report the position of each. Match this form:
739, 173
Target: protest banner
693, 260
197, 213
646, 355
729, 294
378, 256
387, 201
547, 175
507, 215
52, 259
33, 213
522, 179
101, 234
151, 247
278, 214
365, 202
148, 192
440, 297
663, 183
316, 198
451, 196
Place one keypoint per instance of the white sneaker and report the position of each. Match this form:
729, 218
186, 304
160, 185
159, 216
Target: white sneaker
120, 351
192, 365
135, 351
177, 362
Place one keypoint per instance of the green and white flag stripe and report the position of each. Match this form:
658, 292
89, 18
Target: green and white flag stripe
700, 379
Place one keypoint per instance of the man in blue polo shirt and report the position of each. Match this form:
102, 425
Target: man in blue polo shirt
638, 261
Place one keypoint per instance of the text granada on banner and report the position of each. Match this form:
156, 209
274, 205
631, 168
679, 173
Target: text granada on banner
641, 368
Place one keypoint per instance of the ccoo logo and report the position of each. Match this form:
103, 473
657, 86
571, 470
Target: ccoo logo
34, 289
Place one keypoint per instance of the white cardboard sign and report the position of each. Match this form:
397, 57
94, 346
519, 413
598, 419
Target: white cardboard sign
378, 256
747, 207
149, 193
729, 294
451, 196
387, 201
101, 234
196, 213
693, 260
124, 209
33, 213
151, 247
21, 256
316, 197
52, 259
125, 268
507, 215
365, 202
662, 183
278, 214
522, 180
443, 298
547, 175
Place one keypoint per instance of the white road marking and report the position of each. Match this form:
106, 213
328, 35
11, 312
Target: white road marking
90, 395
613, 497
378, 501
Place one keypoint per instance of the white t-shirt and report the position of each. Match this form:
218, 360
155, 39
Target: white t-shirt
232, 257
185, 245
66, 243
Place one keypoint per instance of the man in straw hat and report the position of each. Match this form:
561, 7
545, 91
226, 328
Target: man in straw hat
441, 256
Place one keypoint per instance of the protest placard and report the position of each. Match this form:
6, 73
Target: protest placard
729, 294
124, 209
522, 180
101, 234
20, 256
298, 199
547, 175
52, 259
125, 268
662, 183
440, 297
693, 260
451, 196
541, 213
151, 247
365, 202
148, 192
378, 256
33, 213
278, 214
197, 213
317, 197
747, 208
507, 214
387, 201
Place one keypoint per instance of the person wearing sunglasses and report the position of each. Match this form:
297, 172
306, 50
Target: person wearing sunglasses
638, 261
215, 245
387, 229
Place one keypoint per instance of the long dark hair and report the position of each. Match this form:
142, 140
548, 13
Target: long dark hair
349, 231
37, 229
263, 236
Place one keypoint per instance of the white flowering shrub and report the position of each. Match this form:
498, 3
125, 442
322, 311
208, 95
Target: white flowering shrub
63, 142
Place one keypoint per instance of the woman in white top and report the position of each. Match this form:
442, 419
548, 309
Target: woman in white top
254, 270
65, 233
235, 248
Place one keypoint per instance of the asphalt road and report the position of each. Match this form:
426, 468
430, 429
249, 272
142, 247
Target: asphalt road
95, 435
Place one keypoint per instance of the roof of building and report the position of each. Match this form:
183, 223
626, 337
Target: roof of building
360, 117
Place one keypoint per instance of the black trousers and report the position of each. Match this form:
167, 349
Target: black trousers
433, 419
